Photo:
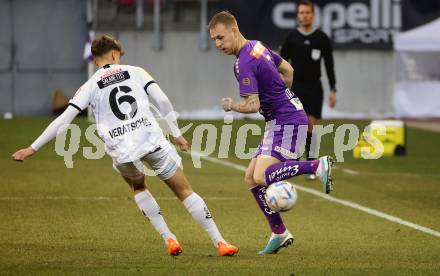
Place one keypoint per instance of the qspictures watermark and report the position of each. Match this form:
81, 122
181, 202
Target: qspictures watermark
208, 139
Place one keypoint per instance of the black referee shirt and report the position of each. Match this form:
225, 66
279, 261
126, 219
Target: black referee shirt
304, 52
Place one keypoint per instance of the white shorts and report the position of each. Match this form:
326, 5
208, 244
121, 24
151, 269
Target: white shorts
163, 163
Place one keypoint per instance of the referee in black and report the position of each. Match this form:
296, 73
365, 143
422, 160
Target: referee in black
304, 48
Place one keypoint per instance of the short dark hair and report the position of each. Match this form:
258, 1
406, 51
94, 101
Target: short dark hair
223, 17
306, 3
103, 44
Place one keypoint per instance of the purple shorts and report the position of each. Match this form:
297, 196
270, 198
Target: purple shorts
283, 142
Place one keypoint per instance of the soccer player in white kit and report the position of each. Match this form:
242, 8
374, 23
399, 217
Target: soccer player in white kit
119, 96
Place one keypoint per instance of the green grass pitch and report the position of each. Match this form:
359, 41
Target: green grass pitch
55, 220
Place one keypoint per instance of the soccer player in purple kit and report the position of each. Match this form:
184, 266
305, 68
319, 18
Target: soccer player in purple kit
264, 78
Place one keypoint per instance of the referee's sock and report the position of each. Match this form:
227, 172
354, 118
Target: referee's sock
309, 155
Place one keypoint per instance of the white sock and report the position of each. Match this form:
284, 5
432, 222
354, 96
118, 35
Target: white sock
151, 210
200, 212
279, 235
320, 169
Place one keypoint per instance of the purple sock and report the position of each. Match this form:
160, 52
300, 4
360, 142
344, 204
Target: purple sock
274, 218
288, 169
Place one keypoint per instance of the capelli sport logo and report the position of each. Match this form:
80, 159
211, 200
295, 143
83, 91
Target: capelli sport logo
367, 21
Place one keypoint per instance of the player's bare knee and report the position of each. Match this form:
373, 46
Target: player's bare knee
249, 180
138, 186
184, 190
184, 193
259, 179
136, 183
179, 185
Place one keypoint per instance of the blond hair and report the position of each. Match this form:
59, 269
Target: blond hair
223, 17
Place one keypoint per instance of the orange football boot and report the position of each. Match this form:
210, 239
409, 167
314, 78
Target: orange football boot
174, 248
226, 249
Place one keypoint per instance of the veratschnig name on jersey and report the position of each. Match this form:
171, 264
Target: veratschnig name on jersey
129, 127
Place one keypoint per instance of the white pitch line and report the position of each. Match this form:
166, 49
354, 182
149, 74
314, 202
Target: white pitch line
336, 200
347, 171
352, 172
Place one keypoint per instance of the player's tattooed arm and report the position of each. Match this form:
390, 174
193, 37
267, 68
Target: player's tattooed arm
286, 72
250, 104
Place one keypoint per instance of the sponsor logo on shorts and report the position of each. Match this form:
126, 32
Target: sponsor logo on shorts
286, 152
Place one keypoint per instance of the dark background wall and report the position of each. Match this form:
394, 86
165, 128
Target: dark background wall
41, 49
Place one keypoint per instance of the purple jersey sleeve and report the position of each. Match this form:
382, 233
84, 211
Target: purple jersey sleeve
276, 58
246, 77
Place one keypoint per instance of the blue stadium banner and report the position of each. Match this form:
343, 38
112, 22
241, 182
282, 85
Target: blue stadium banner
351, 24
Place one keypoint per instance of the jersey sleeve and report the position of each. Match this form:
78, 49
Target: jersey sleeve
247, 78
57, 126
145, 78
328, 62
165, 108
277, 59
82, 97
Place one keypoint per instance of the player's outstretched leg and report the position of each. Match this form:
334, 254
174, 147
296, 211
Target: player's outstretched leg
198, 209
287, 169
280, 236
284, 170
151, 210
148, 205
196, 206
273, 218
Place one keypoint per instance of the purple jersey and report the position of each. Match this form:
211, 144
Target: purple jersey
256, 71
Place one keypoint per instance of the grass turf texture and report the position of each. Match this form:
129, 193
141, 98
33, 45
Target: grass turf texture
83, 220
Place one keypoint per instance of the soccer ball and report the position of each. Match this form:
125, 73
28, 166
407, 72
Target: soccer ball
281, 196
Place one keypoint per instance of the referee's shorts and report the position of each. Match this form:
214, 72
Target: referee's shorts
311, 96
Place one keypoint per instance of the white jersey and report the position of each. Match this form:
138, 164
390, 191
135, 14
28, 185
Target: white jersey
118, 95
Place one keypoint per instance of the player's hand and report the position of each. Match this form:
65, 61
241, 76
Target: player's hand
182, 143
22, 154
227, 104
332, 99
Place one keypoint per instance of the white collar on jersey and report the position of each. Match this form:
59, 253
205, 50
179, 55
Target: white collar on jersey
306, 33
